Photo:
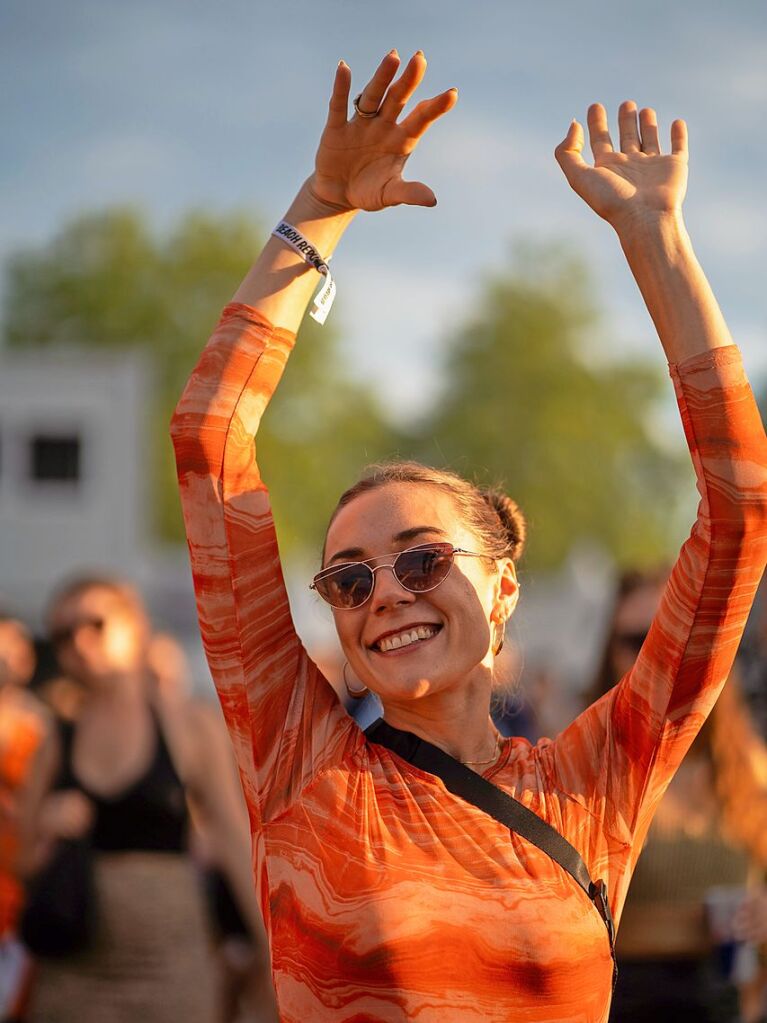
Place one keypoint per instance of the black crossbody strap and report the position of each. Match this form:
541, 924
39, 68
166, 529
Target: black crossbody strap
473, 788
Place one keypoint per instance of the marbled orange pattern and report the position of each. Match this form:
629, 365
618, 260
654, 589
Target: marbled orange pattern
22, 729
385, 897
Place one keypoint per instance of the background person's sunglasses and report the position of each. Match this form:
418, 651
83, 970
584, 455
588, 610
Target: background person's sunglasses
60, 637
417, 569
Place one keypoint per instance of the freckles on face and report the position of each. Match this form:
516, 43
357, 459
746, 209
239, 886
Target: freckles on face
401, 643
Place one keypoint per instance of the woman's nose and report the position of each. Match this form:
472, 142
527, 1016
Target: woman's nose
388, 591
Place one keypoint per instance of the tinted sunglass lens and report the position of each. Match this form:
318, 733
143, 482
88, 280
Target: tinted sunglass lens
61, 637
349, 587
421, 570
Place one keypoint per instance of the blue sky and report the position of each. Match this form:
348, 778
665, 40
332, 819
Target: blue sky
177, 103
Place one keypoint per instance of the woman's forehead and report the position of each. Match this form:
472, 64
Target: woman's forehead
379, 517
94, 600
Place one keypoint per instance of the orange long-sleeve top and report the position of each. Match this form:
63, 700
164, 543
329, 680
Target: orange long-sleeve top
22, 729
386, 897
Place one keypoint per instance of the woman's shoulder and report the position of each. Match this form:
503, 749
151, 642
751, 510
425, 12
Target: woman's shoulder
522, 765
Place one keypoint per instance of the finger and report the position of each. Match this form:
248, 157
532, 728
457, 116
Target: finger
679, 139
599, 136
411, 193
338, 108
401, 91
427, 112
569, 154
648, 124
373, 93
628, 127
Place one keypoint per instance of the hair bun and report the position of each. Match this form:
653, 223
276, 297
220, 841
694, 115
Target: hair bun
512, 520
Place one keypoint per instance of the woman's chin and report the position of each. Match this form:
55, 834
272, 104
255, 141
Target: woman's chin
404, 688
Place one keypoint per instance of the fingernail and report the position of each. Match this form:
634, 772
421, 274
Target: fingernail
342, 63
392, 53
419, 53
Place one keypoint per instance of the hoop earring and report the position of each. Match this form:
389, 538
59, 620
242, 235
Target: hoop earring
498, 645
356, 694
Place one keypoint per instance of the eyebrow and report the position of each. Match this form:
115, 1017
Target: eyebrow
355, 553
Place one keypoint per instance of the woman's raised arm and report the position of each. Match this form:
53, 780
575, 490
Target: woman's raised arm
358, 166
619, 755
284, 719
639, 191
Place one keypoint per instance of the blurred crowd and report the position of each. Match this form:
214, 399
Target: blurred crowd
125, 864
125, 861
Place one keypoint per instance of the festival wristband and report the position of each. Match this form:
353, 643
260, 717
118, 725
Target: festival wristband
323, 300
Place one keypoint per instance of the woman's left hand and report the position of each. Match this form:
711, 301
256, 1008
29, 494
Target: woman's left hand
637, 183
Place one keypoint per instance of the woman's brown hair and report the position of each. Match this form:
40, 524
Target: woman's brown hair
629, 581
490, 514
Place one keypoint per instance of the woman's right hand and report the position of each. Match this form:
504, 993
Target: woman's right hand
360, 160
65, 814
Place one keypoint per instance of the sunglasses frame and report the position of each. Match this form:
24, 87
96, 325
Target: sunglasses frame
327, 573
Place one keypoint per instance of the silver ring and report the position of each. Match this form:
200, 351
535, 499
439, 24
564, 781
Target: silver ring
363, 113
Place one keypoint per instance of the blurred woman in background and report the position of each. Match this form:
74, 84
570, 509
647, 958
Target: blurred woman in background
707, 842
124, 772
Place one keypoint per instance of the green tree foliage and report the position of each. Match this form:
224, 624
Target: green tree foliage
530, 399
107, 281
534, 403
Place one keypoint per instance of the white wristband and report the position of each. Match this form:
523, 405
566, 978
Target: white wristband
323, 300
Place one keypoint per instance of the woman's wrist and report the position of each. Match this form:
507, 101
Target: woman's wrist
309, 207
659, 231
324, 205
280, 283
675, 290
321, 223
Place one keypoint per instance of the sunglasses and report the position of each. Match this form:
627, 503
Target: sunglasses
418, 570
61, 637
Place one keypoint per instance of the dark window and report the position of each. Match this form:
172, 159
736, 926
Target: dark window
54, 459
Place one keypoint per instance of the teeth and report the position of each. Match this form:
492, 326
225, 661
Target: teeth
406, 638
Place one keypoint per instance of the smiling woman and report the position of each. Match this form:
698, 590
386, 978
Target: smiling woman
386, 895
458, 602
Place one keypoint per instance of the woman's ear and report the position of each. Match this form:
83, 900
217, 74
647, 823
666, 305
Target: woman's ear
507, 593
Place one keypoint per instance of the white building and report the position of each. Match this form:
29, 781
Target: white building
72, 486
75, 484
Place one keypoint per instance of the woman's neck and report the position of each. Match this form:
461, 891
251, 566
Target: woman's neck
459, 726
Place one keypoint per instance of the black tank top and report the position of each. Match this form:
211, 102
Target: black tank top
149, 816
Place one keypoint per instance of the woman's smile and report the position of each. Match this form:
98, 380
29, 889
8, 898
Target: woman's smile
406, 639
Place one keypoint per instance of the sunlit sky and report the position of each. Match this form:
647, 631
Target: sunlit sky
175, 104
